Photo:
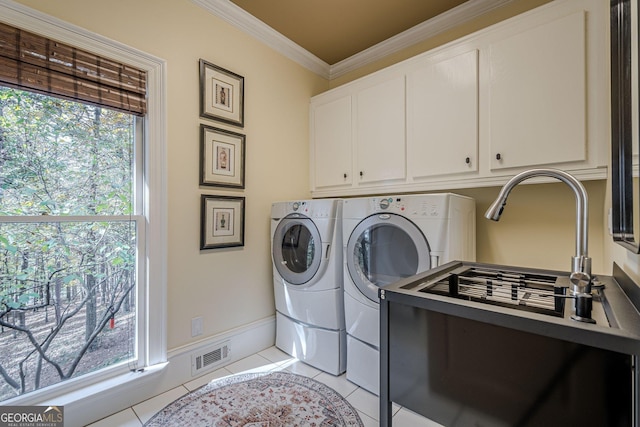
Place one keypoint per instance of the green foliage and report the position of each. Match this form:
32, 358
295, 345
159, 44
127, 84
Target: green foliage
60, 158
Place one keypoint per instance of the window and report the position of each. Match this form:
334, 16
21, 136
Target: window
68, 273
82, 229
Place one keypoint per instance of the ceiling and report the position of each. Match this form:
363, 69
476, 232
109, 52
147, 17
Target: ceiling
334, 37
334, 30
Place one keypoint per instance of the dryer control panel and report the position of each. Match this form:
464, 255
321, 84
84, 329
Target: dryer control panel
434, 206
389, 203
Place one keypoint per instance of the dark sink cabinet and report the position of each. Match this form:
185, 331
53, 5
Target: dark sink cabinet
461, 372
466, 362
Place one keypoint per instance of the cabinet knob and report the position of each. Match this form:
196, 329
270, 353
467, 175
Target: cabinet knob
467, 160
498, 156
345, 176
361, 174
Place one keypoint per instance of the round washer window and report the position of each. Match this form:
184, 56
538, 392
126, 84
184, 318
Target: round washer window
297, 249
384, 248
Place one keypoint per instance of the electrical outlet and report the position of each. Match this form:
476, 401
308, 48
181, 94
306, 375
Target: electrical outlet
196, 326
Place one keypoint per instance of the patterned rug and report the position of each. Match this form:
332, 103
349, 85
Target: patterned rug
277, 399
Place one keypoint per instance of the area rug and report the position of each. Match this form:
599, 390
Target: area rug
276, 399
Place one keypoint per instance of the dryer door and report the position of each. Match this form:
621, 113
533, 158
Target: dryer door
296, 249
384, 248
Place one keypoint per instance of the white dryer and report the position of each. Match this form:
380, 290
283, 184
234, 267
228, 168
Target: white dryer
387, 238
306, 249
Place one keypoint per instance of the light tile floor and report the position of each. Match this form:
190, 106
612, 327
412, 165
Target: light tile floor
271, 359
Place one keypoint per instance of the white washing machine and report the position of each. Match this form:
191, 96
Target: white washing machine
387, 238
306, 249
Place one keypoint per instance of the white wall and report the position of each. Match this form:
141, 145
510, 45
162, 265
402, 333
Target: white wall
538, 226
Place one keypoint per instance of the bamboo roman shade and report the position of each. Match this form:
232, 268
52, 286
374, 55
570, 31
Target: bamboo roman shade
32, 62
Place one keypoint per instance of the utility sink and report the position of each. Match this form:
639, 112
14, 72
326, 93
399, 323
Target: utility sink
530, 292
480, 344
526, 291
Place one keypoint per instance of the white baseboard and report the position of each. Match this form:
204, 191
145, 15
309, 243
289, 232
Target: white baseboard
244, 341
116, 395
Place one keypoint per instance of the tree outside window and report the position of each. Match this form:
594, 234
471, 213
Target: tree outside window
68, 240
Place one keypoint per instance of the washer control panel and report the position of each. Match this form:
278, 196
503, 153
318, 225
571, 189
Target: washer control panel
431, 207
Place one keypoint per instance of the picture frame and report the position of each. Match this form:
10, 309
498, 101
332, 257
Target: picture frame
221, 94
221, 221
222, 157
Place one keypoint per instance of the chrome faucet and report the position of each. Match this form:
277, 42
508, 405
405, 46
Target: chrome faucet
580, 276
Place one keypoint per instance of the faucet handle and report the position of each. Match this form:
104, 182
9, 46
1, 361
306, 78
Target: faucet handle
581, 282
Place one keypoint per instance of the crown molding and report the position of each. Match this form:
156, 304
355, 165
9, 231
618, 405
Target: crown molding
246, 22
421, 32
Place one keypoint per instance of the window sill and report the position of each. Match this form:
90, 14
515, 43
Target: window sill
78, 393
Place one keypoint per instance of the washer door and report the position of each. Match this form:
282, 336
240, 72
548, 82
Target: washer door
296, 249
384, 248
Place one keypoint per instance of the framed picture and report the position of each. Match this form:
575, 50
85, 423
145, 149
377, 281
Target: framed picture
222, 154
221, 94
221, 222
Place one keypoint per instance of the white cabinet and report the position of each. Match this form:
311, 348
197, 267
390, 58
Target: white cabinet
331, 130
380, 132
530, 91
537, 100
358, 136
442, 116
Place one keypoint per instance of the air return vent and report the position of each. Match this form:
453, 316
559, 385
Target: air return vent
209, 357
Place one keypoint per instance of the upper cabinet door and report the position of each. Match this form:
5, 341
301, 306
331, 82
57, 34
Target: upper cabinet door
442, 116
537, 95
380, 132
331, 143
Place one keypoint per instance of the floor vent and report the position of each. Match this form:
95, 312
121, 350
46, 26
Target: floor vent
209, 358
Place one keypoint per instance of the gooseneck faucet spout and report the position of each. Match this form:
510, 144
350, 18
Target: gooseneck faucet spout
581, 263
